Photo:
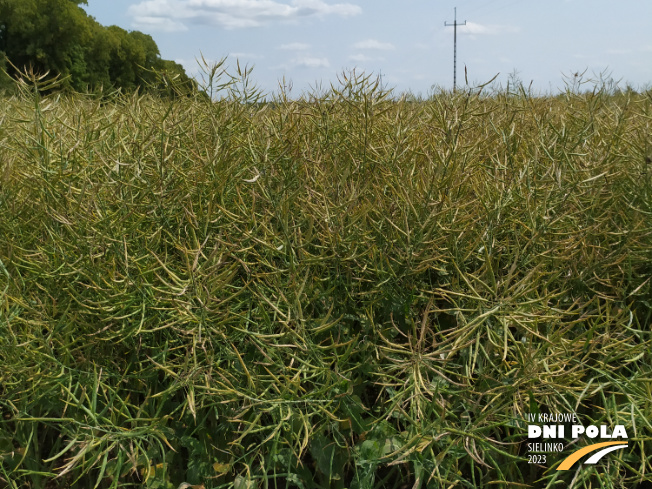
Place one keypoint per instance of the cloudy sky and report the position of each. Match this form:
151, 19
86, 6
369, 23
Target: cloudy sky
310, 42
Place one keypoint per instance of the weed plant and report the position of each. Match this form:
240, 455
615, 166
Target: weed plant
348, 289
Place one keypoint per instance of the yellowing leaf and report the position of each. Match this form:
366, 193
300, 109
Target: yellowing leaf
423, 444
151, 470
221, 468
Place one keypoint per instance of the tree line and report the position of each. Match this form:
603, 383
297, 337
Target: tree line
59, 37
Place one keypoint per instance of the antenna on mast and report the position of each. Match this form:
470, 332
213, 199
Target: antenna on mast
454, 24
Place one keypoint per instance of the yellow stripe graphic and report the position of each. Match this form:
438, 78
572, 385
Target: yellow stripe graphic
575, 456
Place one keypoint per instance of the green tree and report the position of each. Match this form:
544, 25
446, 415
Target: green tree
34, 34
59, 37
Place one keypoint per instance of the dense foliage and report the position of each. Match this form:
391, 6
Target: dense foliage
343, 291
57, 36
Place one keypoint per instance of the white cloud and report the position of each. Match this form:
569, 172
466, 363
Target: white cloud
240, 55
473, 28
311, 62
363, 58
153, 23
303, 62
374, 44
360, 58
230, 14
295, 46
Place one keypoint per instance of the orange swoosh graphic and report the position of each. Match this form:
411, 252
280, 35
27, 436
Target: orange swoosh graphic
575, 456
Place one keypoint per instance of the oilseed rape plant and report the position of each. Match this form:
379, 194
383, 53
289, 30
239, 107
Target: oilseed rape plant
347, 289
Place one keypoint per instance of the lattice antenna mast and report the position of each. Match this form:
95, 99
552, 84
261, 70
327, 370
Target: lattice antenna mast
454, 24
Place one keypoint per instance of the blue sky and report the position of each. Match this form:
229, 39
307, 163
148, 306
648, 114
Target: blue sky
312, 41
